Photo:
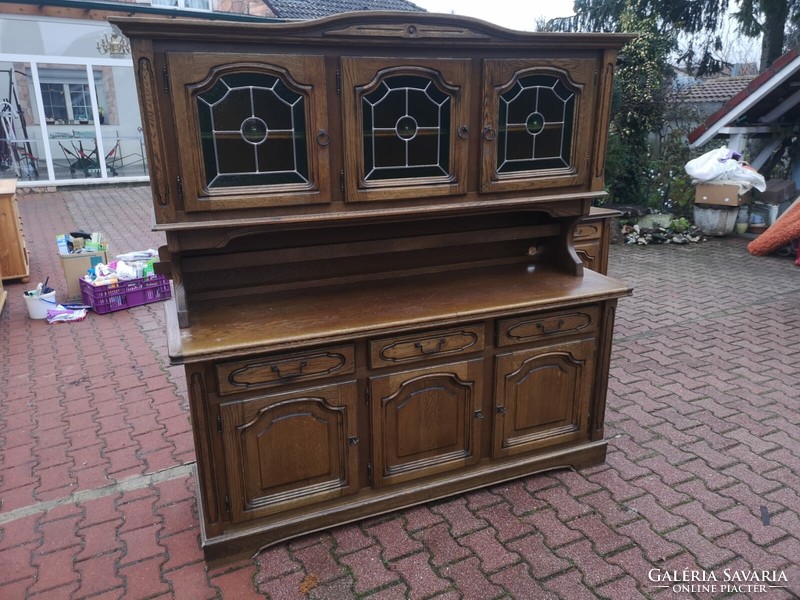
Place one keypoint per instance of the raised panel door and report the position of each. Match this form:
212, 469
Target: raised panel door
287, 450
538, 123
251, 129
542, 397
425, 421
406, 127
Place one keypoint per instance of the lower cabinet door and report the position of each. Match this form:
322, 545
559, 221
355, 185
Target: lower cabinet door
542, 397
425, 421
286, 450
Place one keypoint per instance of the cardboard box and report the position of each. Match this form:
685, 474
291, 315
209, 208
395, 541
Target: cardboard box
778, 191
719, 195
75, 266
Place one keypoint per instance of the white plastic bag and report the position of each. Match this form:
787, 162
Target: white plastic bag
723, 166
711, 165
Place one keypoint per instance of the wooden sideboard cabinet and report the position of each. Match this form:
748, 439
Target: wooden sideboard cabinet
370, 223
13, 250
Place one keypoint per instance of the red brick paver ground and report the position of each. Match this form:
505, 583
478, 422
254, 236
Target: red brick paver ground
97, 492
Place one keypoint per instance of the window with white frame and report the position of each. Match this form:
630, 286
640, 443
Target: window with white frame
185, 4
65, 95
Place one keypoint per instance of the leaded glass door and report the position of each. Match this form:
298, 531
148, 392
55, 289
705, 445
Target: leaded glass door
251, 130
406, 127
538, 123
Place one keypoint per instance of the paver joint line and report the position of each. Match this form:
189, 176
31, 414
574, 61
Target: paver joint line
125, 485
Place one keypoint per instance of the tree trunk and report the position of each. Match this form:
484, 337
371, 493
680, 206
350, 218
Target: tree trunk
776, 13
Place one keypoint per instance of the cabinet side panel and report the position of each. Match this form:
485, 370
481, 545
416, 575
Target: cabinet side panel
604, 342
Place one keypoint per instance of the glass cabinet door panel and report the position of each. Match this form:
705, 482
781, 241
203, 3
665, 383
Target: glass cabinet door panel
252, 128
405, 128
535, 125
248, 128
538, 123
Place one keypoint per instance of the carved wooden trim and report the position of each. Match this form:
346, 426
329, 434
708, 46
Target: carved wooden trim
603, 116
241, 376
470, 339
407, 31
147, 85
543, 328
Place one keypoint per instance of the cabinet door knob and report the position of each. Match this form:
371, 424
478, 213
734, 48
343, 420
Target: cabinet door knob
489, 133
323, 139
478, 414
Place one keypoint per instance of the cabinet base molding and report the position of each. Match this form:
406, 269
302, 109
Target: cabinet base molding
238, 544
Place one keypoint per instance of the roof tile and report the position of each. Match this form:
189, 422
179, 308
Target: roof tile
314, 9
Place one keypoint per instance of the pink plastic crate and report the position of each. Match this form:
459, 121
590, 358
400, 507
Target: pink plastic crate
125, 294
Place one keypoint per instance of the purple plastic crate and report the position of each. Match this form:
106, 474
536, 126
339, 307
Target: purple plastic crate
125, 294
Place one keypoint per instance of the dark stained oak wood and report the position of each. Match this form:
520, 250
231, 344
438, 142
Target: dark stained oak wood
593, 237
547, 325
285, 320
424, 346
425, 421
286, 450
193, 73
361, 76
391, 320
542, 397
266, 371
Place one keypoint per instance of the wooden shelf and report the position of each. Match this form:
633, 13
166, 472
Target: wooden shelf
287, 320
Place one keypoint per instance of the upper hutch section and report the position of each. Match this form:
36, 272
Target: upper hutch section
368, 115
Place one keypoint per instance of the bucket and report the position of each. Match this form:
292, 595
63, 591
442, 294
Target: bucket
38, 305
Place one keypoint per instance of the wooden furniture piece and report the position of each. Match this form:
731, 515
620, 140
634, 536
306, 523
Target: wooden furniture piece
369, 225
13, 251
3, 293
593, 237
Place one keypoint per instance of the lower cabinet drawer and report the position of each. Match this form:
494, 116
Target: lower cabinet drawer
290, 449
422, 346
261, 372
588, 231
542, 326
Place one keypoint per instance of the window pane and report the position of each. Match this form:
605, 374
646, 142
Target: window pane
55, 105
81, 102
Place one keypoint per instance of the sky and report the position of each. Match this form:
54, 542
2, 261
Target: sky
522, 14
514, 14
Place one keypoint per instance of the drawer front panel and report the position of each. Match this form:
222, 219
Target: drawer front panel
255, 373
547, 325
399, 350
588, 231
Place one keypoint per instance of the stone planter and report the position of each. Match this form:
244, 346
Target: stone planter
715, 220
